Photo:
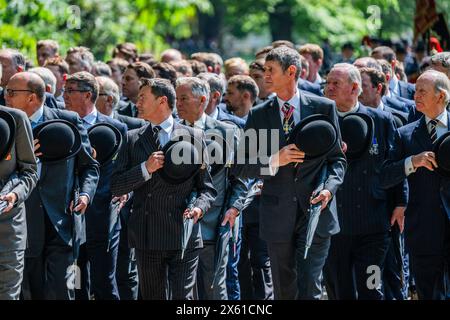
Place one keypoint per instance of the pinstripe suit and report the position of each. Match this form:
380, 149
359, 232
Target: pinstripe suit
364, 216
156, 226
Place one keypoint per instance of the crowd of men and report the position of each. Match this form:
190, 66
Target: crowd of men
94, 205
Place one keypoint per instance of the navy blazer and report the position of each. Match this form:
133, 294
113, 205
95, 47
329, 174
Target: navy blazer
395, 103
406, 90
101, 220
287, 194
364, 207
310, 87
429, 193
54, 190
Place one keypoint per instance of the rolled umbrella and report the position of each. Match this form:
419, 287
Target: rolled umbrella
77, 222
13, 181
188, 224
225, 233
314, 211
397, 243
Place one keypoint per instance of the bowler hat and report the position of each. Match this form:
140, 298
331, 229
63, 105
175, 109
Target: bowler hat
106, 140
441, 150
7, 133
357, 132
182, 160
59, 140
315, 135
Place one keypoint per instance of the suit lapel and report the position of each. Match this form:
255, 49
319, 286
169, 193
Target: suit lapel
146, 139
305, 107
422, 135
273, 113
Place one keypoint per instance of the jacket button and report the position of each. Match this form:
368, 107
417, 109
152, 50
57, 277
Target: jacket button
294, 199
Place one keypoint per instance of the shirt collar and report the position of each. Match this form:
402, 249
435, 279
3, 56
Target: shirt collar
393, 85
215, 114
381, 105
166, 125
294, 101
200, 123
442, 118
35, 117
352, 110
91, 118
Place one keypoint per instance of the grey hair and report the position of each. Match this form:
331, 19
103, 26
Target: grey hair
443, 59
198, 87
216, 83
353, 74
109, 87
441, 83
46, 75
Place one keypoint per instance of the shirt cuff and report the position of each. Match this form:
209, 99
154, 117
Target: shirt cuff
87, 196
273, 170
409, 168
145, 173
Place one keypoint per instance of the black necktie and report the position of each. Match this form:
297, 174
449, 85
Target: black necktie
156, 130
288, 119
433, 134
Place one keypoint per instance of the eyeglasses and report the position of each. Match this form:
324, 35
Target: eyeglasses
12, 92
102, 94
70, 91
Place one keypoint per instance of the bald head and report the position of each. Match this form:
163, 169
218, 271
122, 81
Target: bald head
170, 55
25, 91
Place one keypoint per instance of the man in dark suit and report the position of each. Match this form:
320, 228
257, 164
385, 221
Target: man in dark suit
427, 217
303, 84
192, 97
126, 271
100, 250
49, 255
12, 62
18, 160
130, 86
289, 183
217, 89
397, 87
156, 225
364, 209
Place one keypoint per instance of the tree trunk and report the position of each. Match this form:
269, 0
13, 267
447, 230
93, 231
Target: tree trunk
281, 22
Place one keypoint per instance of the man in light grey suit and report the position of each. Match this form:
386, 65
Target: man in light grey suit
20, 160
192, 99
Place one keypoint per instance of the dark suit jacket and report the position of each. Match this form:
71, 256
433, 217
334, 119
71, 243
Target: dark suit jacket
222, 115
363, 205
54, 190
157, 219
22, 163
288, 193
131, 123
429, 201
127, 108
395, 103
101, 220
51, 102
312, 88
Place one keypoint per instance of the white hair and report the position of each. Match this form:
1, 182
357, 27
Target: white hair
109, 87
199, 87
441, 83
46, 75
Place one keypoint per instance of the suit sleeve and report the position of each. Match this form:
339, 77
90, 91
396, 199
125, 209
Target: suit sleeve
337, 164
88, 167
393, 170
26, 162
206, 193
125, 177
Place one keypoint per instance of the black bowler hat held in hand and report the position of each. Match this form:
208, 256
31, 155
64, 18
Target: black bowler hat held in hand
182, 160
7, 134
358, 133
58, 139
315, 135
105, 140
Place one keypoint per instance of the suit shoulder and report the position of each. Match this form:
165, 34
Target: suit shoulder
407, 129
70, 116
16, 113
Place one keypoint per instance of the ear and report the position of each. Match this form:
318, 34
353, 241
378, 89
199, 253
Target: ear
210, 69
319, 62
388, 78
379, 88
216, 95
109, 99
246, 95
292, 70
48, 88
20, 68
354, 87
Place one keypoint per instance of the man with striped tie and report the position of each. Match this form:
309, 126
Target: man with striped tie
289, 181
427, 217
